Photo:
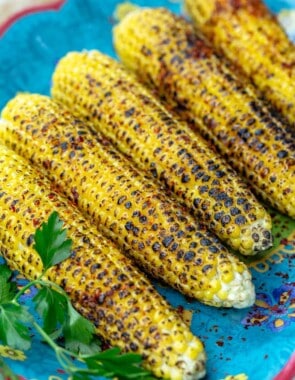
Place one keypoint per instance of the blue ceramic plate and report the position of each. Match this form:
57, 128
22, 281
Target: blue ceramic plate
257, 341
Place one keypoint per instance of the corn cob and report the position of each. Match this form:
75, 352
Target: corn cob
164, 50
163, 238
140, 127
102, 283
250, 36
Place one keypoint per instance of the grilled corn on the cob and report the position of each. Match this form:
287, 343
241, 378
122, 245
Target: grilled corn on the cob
102, 283
162, 237
100, 89
164, 50
251, 37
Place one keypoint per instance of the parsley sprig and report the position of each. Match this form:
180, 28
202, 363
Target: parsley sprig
59, 318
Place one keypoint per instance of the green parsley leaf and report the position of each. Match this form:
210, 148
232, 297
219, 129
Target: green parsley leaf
14, 331
8, 288
81, 376
51, 242
111, 363
78, 333
107, 354
52, 307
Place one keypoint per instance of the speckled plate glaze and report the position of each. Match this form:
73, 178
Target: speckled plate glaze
257, 342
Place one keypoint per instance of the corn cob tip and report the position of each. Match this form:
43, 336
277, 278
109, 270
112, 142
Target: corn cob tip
239, 292
257, 237
196, 368
192, 368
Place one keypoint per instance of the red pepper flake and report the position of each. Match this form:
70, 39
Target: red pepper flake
12, 208
47, 164
284, 241
36, 222
51, 196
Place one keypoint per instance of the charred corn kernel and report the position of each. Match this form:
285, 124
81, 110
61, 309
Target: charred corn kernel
162, 237
165, 51
140, 127
250, 36
102, 283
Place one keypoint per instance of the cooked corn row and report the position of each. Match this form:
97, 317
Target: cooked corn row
102, 283
100, 89
163, 238
164, 50
250, 36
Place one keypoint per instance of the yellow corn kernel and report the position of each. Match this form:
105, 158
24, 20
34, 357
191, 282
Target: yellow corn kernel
180, 345
222, 294
227, 277
193, 352
215, 286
